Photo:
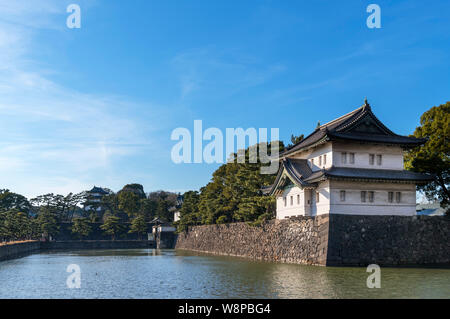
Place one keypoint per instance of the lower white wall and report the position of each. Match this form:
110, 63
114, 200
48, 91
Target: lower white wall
303, 208
291, 210
323, 206
380, 205
330, 200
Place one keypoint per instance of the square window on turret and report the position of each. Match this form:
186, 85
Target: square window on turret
344, 158
390, 197
379, 159
363, 196
371, 159
352, 158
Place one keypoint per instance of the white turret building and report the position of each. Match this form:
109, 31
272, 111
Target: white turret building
351, 165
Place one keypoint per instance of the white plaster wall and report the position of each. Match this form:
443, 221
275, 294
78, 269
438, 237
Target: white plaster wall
166, 229
323, 206
321, 150
304, 208
291, 210
392, 155
380, 205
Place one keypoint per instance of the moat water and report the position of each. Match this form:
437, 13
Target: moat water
149, 273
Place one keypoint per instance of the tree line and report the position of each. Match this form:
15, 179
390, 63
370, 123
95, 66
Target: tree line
40, 217
232, 195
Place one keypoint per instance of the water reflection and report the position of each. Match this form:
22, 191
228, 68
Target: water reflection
151, 273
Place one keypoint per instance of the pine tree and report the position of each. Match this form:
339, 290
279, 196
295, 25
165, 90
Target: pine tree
48, 222
138, 225
81, 227
233, 194
112, 226
434, 157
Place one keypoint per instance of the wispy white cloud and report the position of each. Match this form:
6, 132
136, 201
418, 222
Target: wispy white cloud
223, 72
55, 139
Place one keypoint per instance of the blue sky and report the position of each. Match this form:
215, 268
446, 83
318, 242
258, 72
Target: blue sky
97, 105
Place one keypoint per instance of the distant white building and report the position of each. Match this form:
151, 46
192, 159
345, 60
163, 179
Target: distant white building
177, 213
351, 165
94, 199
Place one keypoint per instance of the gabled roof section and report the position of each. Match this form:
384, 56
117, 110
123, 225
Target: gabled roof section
293, 171
360, 125
98, 190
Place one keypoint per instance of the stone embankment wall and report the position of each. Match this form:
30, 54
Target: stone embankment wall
389, 240
331, 240
18, 250
297, 240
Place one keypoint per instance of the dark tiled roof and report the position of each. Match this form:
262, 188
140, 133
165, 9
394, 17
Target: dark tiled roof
99, 190
395, 139
297, 170
368, 174
359, 125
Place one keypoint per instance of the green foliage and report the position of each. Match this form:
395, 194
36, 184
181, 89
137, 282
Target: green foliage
254, 208
434, 156
296, 139
232, 195
110, 202
81, 227
48, 223
189, 213
138, 225
112, 226
221, 220
15, 225
64, 207
3, 229
136, 189
162, 210
129, 202
164, 203
9, 200
23, 219
148, 208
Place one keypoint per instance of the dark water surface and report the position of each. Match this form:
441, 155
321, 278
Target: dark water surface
149, 273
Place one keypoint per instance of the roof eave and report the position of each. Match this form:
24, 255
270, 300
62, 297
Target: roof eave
414, 142
307, 147
374, 179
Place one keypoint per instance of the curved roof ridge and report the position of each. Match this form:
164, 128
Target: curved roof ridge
367, 112
341, 117
344, 125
